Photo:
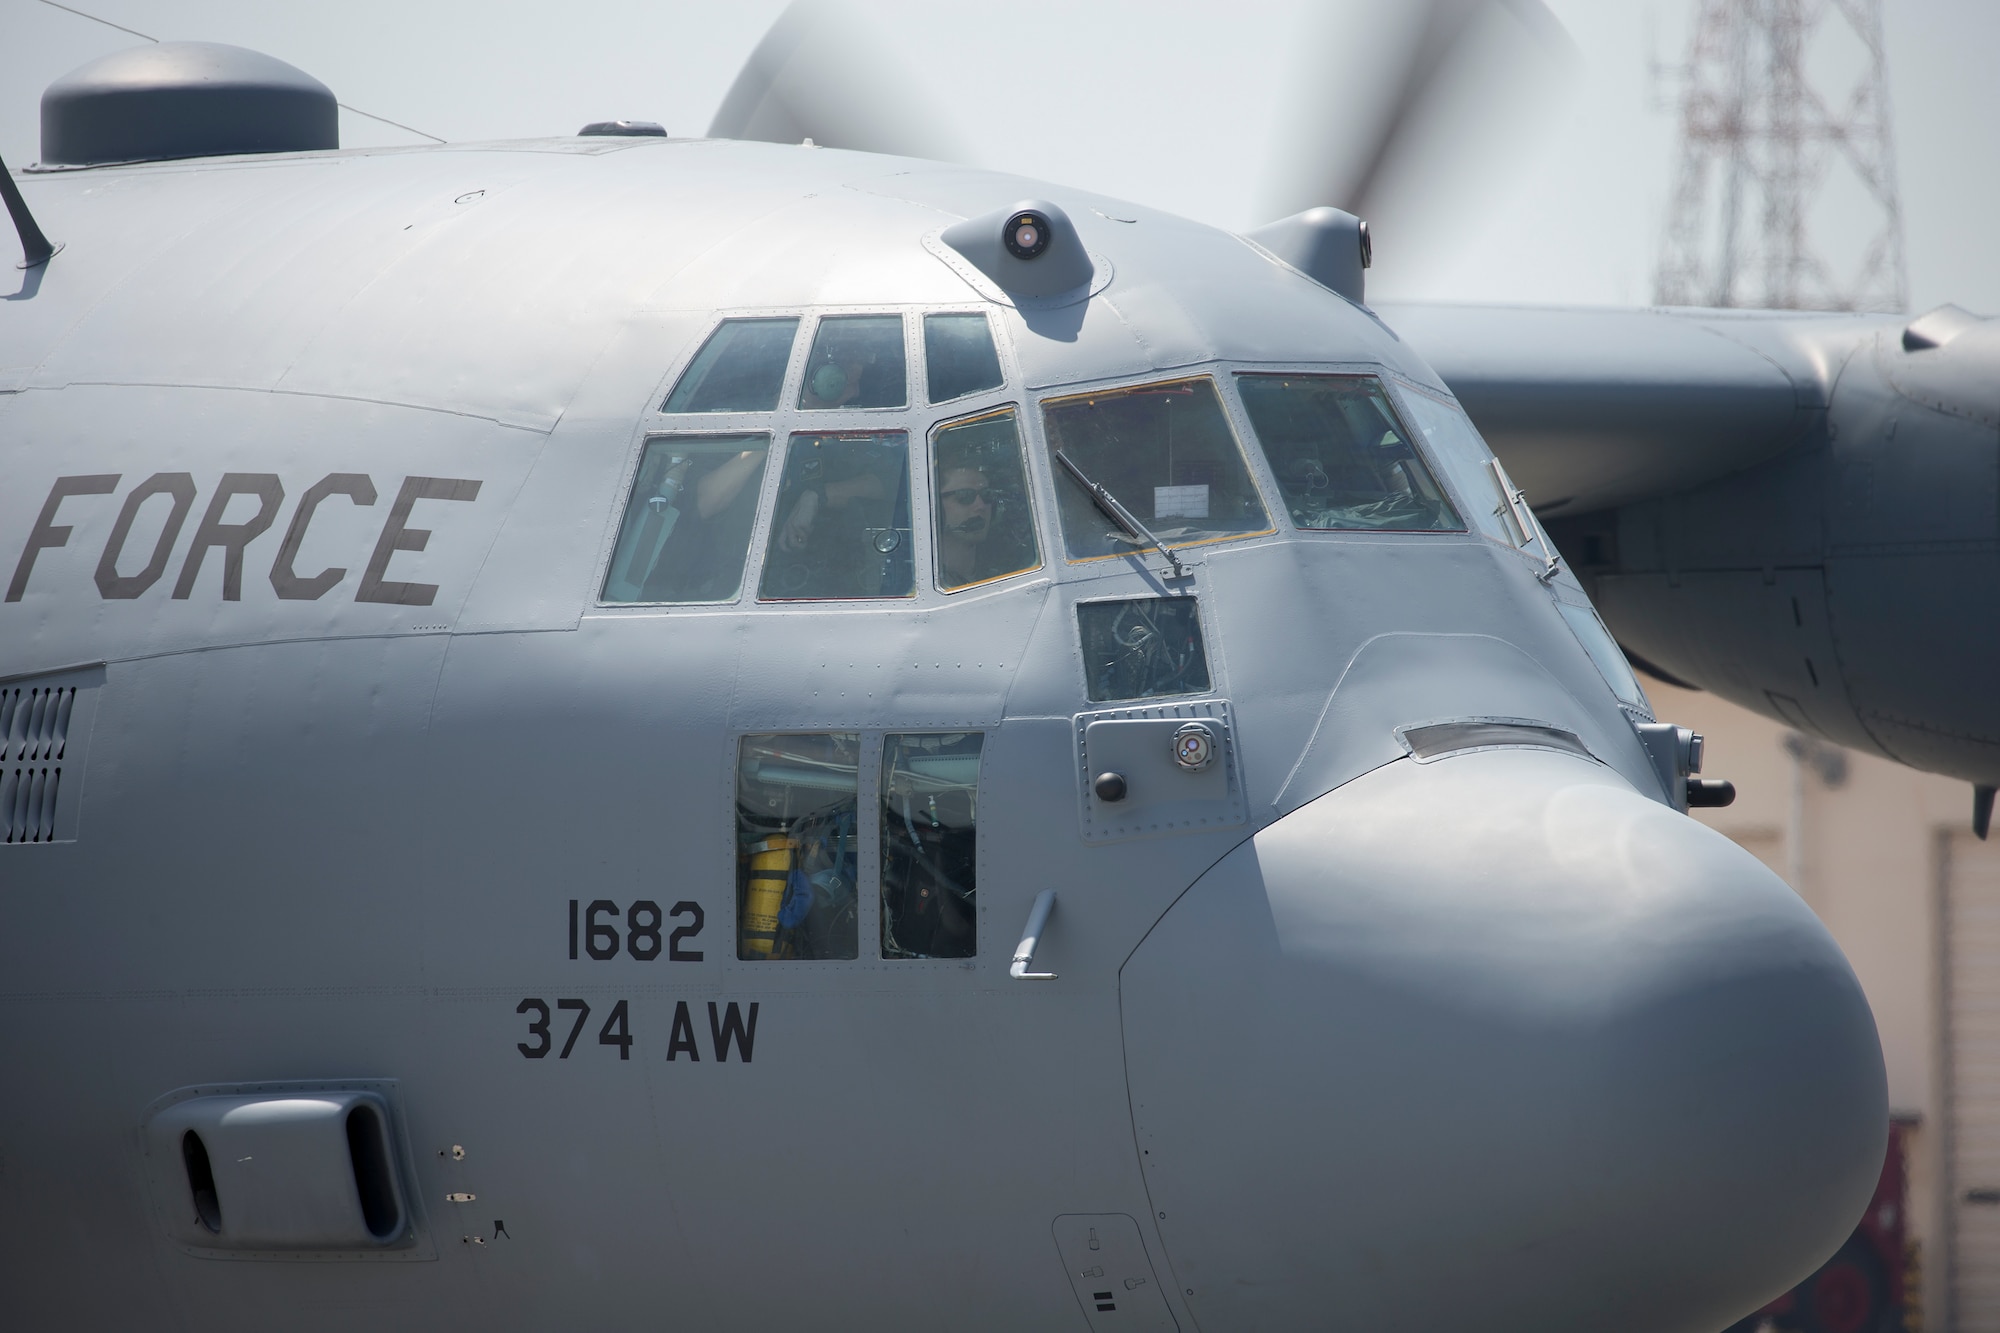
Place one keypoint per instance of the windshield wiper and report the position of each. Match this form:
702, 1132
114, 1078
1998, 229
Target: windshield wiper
1108, 505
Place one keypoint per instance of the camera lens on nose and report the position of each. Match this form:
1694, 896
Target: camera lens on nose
1026, 234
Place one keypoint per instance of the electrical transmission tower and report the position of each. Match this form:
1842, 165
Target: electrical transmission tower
1785, 196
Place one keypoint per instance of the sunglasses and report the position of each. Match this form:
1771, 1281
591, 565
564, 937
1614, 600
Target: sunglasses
966, 495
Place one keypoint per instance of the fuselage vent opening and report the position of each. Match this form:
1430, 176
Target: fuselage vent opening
34, 737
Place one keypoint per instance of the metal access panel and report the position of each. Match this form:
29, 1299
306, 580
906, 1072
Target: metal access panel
1162, 795
1971, 923
1113, 1279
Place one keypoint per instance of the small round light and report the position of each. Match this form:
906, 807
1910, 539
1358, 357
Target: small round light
1194, 746
1026, 235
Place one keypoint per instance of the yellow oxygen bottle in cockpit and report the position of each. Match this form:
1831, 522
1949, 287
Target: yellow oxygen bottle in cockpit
764, 894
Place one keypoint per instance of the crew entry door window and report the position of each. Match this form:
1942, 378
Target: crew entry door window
805, 868
930, 845
797, 849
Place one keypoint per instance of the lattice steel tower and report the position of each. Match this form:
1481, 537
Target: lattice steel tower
1786, 192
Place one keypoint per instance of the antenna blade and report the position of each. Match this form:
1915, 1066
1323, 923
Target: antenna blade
35, 247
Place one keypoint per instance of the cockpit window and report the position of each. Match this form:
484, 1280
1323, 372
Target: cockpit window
1604, 652
842, 523
797, 846
930, 844
959, 357
1141, 648
687, 523
1342, 459
1465, 461
985, 525
741, 368
1165, 452
857, 361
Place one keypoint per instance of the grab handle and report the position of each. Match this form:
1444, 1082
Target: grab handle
1024, 952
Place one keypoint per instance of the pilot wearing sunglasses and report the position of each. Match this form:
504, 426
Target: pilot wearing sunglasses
967, 507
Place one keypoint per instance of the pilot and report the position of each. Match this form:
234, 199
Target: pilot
836, 380
967, 507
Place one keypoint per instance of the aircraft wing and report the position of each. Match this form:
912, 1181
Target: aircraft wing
1590, 408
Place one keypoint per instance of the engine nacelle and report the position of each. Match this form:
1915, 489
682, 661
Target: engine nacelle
1849, 587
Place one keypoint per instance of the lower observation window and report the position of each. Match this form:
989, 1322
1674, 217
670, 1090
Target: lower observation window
930, 844
1141, 648
797, 851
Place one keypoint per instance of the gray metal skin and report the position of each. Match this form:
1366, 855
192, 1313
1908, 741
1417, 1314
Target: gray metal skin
1799, 512
1499, 1039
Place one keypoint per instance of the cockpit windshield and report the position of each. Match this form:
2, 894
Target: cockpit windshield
959, 355
740, 368
1342, 459
1166, 452
842, 524
857, 361
1466, 462
688, 520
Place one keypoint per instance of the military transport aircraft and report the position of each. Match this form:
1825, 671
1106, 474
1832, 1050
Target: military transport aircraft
619, 731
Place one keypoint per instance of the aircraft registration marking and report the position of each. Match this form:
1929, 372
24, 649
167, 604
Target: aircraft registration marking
600, 938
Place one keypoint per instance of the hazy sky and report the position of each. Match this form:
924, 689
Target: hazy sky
1170, 102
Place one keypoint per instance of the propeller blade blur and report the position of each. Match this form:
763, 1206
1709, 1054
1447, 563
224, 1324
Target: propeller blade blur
1407, 115
825, 72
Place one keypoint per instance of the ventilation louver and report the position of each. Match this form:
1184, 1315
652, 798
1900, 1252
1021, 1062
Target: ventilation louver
34, 740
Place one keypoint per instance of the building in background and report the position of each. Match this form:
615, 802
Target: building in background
1886, 857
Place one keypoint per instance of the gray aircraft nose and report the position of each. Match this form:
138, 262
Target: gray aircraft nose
1496, 1043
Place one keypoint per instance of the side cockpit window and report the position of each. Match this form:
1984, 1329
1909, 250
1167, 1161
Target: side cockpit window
1342, 459
1467, 463
688, 520
959, 357
984, 523
741, 368
841, 528
857, 362
1165, 452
